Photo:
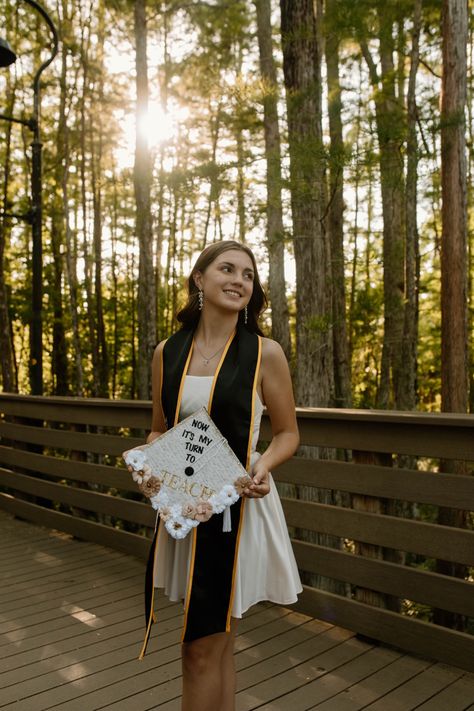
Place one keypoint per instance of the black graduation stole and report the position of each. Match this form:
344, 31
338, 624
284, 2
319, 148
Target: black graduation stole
209, 596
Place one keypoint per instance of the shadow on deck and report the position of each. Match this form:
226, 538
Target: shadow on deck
71, 618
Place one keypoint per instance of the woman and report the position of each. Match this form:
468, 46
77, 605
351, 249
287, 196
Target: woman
220, 359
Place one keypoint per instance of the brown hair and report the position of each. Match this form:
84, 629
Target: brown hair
189, 314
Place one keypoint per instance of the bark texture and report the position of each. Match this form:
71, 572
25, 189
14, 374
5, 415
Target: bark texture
59, 361
302, 70
144, 228
7, 354
275, 229
342, 369
454, 351
406, 394
390, 133
454, 385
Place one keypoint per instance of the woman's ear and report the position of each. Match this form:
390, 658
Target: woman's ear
197, 277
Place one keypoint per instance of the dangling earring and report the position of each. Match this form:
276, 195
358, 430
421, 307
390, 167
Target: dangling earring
245, 314
201, 299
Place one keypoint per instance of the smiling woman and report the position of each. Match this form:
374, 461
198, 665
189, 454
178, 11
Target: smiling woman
220, 360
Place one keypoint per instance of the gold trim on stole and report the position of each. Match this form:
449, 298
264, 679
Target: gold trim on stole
152, 617
244, 502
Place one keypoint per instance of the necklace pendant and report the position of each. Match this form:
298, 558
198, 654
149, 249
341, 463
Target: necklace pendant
205, 361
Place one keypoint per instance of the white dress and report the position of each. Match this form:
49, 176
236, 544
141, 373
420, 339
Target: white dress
266, 566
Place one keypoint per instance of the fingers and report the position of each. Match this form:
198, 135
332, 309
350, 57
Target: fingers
257, 491
260, 477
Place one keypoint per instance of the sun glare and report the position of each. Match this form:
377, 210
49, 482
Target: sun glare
157, 125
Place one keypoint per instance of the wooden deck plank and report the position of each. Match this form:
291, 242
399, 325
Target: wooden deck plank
63, 633
70, 580
81, 591
281, 663
454, 697
331, 682
161, 694
73, 625
67, 609
30, 576
75, 683
374, 686
75, 620
420, 688
51, 546
269, 693
169, 622
60, 643
77, 582
279, 635
115, 674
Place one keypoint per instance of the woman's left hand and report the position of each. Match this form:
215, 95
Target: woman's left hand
260, 485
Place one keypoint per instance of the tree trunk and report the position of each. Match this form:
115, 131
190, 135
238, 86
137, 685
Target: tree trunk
302, 70
7, 354
59, 362
406, 396
454, 358
96, 141
314, 352
454, 215
102, 350
83, 156
342, 366
142, 183
240, 155
470, 206
275, 229
214, 183
390, 134
116, 340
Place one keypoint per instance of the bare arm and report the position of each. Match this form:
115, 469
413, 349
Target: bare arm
278, 396
158, 425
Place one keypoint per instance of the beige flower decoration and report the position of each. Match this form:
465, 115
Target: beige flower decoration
150, 486
189, 511
203, 511
242, 483
165, 513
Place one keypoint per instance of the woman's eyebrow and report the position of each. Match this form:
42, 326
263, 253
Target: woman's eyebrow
231, 264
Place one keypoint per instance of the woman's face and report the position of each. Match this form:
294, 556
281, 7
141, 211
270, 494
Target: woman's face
228, 281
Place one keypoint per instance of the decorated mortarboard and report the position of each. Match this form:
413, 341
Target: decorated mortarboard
189, 474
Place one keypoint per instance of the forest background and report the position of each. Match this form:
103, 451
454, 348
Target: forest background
323, 135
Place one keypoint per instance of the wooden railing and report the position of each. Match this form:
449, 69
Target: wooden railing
60, 466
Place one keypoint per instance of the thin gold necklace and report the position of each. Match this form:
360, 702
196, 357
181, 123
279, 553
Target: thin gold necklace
205, 360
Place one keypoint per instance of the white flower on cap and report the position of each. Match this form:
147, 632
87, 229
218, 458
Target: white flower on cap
178, 526
136, 459
160, 500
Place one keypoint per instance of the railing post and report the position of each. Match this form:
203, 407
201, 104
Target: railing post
374, 505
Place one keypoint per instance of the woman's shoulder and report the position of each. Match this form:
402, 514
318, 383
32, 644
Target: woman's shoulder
272, 352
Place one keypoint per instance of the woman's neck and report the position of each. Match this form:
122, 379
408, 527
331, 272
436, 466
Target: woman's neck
213, 329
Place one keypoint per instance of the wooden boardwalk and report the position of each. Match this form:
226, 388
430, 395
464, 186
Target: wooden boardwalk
71, 623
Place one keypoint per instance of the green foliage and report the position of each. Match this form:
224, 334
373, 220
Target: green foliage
208, 172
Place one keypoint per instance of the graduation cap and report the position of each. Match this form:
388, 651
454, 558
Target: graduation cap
189, 474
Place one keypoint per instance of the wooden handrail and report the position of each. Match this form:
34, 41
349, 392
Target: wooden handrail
60, 466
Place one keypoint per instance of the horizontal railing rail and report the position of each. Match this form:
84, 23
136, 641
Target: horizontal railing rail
376, 541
